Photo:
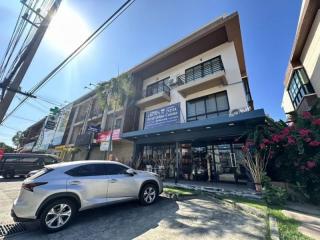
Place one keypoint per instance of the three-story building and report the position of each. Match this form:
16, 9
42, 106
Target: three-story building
192, 105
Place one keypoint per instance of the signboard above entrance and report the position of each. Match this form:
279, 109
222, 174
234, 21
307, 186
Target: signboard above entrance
162, 116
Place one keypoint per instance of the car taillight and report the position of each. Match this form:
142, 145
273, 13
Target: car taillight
31, 186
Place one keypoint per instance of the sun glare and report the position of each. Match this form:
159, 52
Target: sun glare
67, 30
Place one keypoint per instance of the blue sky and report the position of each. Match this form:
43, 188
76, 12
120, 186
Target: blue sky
148, 26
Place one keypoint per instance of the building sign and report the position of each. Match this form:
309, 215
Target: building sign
94, 129
105, 136
104, 146
162, 116
62, 122
45, 137
238, 111
53, 129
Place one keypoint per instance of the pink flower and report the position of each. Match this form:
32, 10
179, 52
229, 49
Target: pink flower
286, 131
311, 164
307, 139
277, 138
262, 146
306, 115
291, 140
316, 122
304, 132
314, 144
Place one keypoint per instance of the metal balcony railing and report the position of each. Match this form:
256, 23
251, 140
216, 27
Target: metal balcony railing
155, 90
200, 71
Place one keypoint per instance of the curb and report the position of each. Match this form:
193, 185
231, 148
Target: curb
215, 190
274, 230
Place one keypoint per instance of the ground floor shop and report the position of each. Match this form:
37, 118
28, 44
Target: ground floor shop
196, 161
204, 150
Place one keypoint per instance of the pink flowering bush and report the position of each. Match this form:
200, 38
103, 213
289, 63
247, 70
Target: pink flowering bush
297, 158
293, 151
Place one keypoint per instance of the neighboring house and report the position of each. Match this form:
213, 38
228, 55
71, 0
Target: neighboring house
302, 80
192, 103
31, 135
88, 126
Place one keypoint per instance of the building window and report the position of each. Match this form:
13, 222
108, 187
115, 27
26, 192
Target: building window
157, 87
203, 69
299, 86
209, 106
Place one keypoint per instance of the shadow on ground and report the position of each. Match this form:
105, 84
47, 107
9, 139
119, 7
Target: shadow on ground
166, 219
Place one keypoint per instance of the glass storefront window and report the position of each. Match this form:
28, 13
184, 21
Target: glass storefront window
197, 162
159, 159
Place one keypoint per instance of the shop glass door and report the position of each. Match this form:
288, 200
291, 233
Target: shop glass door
225, 163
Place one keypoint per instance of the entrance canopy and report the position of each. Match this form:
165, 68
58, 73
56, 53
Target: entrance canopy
210, 129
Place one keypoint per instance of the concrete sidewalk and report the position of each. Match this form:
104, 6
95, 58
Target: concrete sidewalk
308, 216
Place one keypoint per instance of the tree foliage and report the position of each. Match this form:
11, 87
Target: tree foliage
6, 147
113, 93
17, 139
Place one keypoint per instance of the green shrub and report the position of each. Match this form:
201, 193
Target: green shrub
273, 195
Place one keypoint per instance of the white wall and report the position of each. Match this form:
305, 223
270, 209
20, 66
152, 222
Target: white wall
235, 88
310, 57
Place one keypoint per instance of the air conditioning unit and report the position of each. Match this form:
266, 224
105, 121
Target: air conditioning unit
173, 81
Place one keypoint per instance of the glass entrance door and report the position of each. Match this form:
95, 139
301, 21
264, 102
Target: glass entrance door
226, 163
199, 164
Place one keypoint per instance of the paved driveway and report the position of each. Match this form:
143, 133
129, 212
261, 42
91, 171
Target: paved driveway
9, 190
196, 218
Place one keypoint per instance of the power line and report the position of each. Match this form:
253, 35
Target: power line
94, 35
23, 118
35, 106
14, 129
49, 101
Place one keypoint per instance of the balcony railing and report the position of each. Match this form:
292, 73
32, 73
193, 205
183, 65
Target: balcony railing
159, 89
200, 71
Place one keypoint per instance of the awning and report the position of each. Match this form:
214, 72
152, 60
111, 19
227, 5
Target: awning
221, 127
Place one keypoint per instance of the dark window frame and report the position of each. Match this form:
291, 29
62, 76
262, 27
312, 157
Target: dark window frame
206, 113
299, 87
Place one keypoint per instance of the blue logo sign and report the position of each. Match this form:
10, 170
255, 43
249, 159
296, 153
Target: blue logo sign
162, 117
93, 129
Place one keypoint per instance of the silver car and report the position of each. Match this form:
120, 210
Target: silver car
56, 193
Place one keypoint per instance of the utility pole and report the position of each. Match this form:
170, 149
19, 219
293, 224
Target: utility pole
14, 79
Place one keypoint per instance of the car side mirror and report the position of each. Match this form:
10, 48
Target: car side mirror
130, 171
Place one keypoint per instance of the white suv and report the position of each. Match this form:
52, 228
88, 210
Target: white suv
56, 193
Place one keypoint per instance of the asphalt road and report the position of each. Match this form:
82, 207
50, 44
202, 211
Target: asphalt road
196, 218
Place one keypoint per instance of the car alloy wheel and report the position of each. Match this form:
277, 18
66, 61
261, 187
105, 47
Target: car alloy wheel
149, 194
58, 216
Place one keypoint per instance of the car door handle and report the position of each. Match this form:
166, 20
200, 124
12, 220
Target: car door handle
74, 183
113, 180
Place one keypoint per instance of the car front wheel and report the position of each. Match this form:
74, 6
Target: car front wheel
149, 194
57, 215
